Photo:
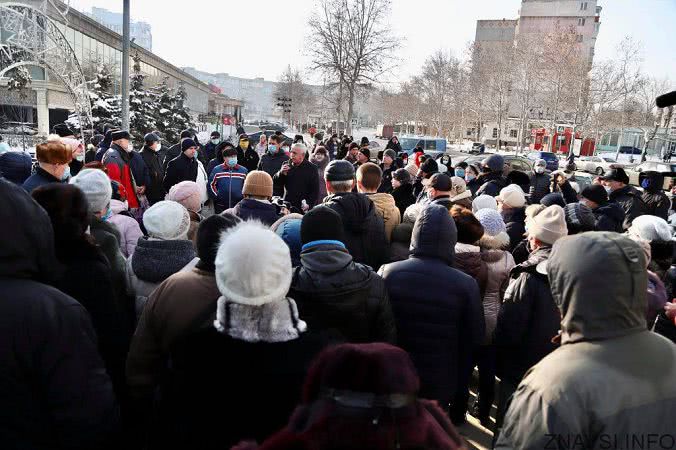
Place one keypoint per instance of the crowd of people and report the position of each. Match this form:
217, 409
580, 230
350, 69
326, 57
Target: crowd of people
320, 295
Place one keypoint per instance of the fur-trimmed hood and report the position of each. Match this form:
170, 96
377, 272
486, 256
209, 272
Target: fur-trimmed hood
466, 194
500, 241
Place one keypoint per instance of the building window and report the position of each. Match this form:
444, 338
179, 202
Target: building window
495, 133
513, 133
581, 21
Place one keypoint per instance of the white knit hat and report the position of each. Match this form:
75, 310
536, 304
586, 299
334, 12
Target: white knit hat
650, 228
512, 196
550, 225
167, 220
484, 201
492, 221
253, 265
96, 186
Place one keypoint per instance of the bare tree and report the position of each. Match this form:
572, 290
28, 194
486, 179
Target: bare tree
527, 82
629, 59
292, 85
351, 42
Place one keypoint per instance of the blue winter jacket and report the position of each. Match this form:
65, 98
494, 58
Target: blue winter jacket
226, 184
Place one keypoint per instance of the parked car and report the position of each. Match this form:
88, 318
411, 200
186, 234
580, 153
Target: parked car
432, 145
627, 154
597, 164
273, 127
254, 137
515, 162
584, 179
551, 158
477, 147
666, 169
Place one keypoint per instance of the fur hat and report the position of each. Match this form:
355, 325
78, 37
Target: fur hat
469, 228
253, 265
167, 220
484, 202
97, 188
258, 184
53, 152
512, 196
550, 225
187, 193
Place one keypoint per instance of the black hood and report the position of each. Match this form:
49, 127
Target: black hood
330, 268
514, 215
655, 181
599, 282
434, 234
354, 209
27, 244
402, 233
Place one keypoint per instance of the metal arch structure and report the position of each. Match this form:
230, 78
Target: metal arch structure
33, 35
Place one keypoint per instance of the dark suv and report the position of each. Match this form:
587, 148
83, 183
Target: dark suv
551, 158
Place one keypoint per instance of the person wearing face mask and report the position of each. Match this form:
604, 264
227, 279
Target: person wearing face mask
424, 176
184, 167
472, 178
53, 159
262, 146
609, 216
492, 179
539, 182
388, 166
67, 136
210, 148
246, 156
320, 158
126, 166
271, 162
150, 154
226, 182
628, 197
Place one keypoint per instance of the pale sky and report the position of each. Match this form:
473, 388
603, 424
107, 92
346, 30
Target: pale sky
259, 38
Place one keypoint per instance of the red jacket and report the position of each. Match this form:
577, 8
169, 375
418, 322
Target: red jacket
119, 171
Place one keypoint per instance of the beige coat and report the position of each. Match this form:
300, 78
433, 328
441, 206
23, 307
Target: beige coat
499, 264
387, 209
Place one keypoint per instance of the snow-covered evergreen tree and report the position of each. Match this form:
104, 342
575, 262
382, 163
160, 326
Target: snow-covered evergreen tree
106, 108
163, 111
141, 106
180, 117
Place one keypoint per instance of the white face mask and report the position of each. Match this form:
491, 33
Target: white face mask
426, 181
539, 169
159, 147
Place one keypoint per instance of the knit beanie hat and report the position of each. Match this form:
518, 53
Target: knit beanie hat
494, 162
650, 228
258, 183
579, 218
412, 169
391, 153
484, 202
96, 186
187, 193
596, 193
321, 224
187, 143
555, 198
208, 236
459, 185
402, 176
512, 196
550, 225
339, 170
492, 221
288, 228
167, 220
366, 152
253, 265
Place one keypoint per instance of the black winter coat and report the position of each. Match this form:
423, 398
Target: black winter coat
656, 201
54, 388
40, 178
386, 182
180, 169
403, 197
335, 293
273, 164
248, 158
491, 184
87, 279
527, 321
155, 189
172, 152
250, 209
401, 242
364, 228
300, 183
539, 187
609, 217
515, 221
473, 186
437, 309
255, 384
629, 198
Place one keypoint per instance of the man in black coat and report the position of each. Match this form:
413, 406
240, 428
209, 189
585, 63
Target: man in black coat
364, 228
609, 216
272, 161
656, 201
55, 391
246, 155
175, 150
299, 179
154, 190
210, 148
492, 181
628, 197
437, 309
183, 167
333, 293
